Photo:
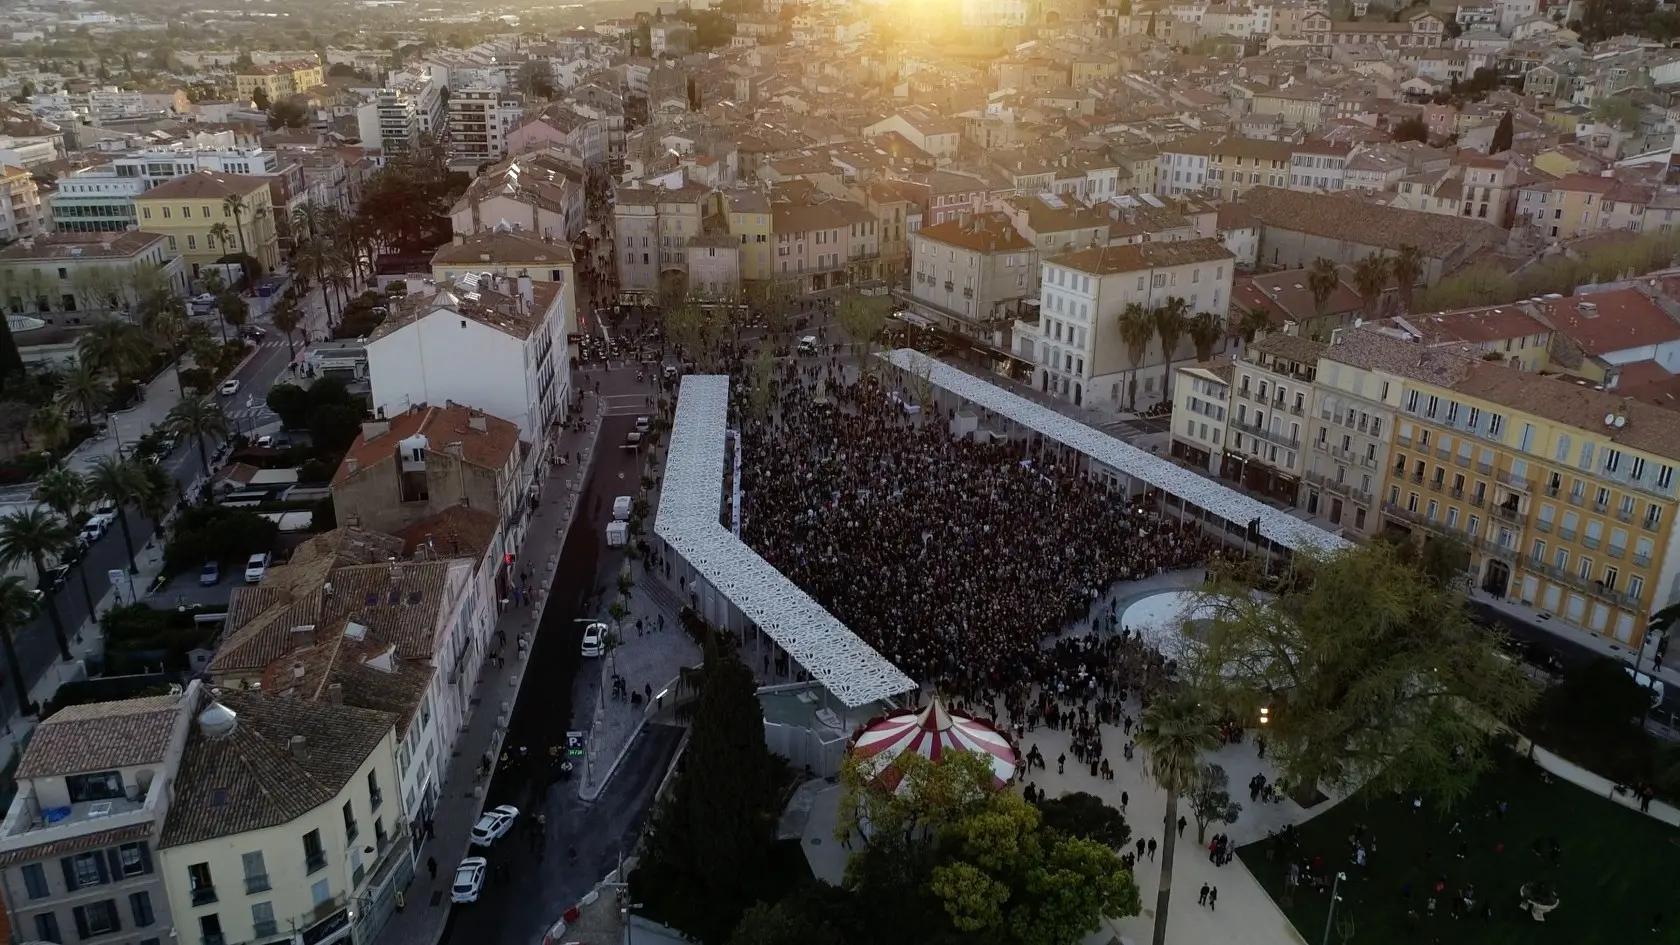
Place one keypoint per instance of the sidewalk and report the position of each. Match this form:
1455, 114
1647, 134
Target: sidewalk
162, 394
1559, 627
461, 798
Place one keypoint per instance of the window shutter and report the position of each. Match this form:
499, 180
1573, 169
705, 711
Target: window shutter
81, 922
145, 858
104, 872
115, 914
69, 873
114, 857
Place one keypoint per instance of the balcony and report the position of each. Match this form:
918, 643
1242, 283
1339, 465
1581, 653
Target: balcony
1567, 534
1484, 469
314, 863
1330, 449
203, 895
1393, 510
1552, 491
1576, 498
1479, 499
1616, 552
1416, 478
213, 938
1651, 525
1403, 440
1462, 460
257, 883
1643, 561
1624, 515
1504, 552
1508, 513
1514, 481
1602, 508
1589, 585
1590, 543
1280, 439
264, 929
1543, 525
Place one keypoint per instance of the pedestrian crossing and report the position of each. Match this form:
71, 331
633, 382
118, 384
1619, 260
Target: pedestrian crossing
258, 413
626, 405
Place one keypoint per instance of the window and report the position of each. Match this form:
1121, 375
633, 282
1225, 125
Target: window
192, 241
86, 869
134, 859
140, 905
350, 828
314, 858
374, 797
210, 929
202, 885
46, 927
186, 213
320, 892
262, 919
256, 872
98, 918
166, 213
35, 881
99, 786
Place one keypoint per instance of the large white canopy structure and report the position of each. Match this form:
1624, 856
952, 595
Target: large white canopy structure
1275, 525
690, 511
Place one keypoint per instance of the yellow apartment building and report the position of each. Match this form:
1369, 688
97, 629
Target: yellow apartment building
189, 211
748, 218
279, 79
1565, 494
1236, 164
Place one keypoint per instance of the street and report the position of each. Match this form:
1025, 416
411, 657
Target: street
584, 839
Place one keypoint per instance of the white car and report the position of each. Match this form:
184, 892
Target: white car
1653, 686
643, 424
469, 879
256, 567
100, 521
808, 344
621, 508
229, 388
594, 639
492, 824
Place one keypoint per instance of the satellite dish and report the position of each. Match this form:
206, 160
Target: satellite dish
1609, 419
1621, 422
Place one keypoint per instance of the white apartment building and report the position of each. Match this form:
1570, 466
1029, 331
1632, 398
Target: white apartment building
1271, 397
1076, 341
1182, 166
1355, 403
397, 115
100, 199
21, 213
479, 122
1201, 411
90, 200
495, 342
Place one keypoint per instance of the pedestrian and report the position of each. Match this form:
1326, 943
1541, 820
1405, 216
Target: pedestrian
1202, 899
1140, 845
399, 902
431, 866
1123, 801
1181, 823
1061, 763
1152, 849
1213, 898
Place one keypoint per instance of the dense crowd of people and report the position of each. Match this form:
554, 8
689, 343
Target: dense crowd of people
953, 558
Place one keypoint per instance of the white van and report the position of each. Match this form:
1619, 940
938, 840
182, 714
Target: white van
621, 509
808, 344
618, 535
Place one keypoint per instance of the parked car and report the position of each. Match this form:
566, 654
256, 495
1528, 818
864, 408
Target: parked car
256, 568
54, 578
492, 824
211, 574
229, 388
644, 424
633, 440
593, 636
469, 879
251, 332
808, 344
1653, 686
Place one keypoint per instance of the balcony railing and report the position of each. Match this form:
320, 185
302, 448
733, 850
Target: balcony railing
1589, 585
1514, 481
1576, 498
1624, 515
1567, 534
1590, 543
1394, 510
314, 863
203, 895
1478, 500
1552, 491
1508, 513
1651, 525
1643, 561
1543, 525
256, 883
1616, 552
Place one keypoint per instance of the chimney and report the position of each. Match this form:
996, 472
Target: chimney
351, 464
300, 748
335, 694
477, 422
453, 448
374, 429
303, 635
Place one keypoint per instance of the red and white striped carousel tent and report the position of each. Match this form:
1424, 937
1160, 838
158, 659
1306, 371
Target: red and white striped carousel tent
931, 732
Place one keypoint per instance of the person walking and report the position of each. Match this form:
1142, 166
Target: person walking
1213, 898
1202, 899
1124, 799
1181, 823
1151, 849
431, 866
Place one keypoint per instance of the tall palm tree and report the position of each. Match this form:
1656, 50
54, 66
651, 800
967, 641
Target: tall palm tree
315, 262
1245, 323
1407, 269
17, 605
120, 481
1136, 332
113, 345
1171, 321
1321, 282
63, 490
1174, 731
1205, 331
286, 318
1370, 277
198, 417
222, 234
82, 387
158, 494
214, 284
31, 535
235, 204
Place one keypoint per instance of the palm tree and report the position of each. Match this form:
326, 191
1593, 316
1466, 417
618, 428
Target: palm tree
1322, 282
198, 417
31, 535
1205, 331
1407, 269
1171, 321
63, 491
214, 284
1136, 332
112, 345
306, 223
49, 426
82, 387
286, 319
17, 604
1246, 323
1174, 731
315, 262
158, 494
235, 204
120, 481
222, 234
1370, 277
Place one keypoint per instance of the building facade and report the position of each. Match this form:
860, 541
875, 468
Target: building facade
206, 216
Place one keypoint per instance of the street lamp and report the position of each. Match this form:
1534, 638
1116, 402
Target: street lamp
1329, 919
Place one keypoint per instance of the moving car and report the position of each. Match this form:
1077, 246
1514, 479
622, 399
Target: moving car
593, 635
211, 575
251, 331
621, 508
256, 568
229, 388
632, 440
492, 824
644, 424
54, 578
808, 344
469, 879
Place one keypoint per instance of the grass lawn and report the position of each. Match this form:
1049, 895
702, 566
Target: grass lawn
1615, 873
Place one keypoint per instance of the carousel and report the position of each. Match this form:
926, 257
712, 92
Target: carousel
931, 732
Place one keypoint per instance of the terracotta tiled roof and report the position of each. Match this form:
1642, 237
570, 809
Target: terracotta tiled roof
202, 185
251, 778
86, 841
1604, 322
983, 232
1649, 428
100, 736
1107, 260
503, 246
488, 448
458, 531
1366, 224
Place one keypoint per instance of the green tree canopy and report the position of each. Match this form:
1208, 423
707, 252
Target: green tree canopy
1398, 691
1086, 816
